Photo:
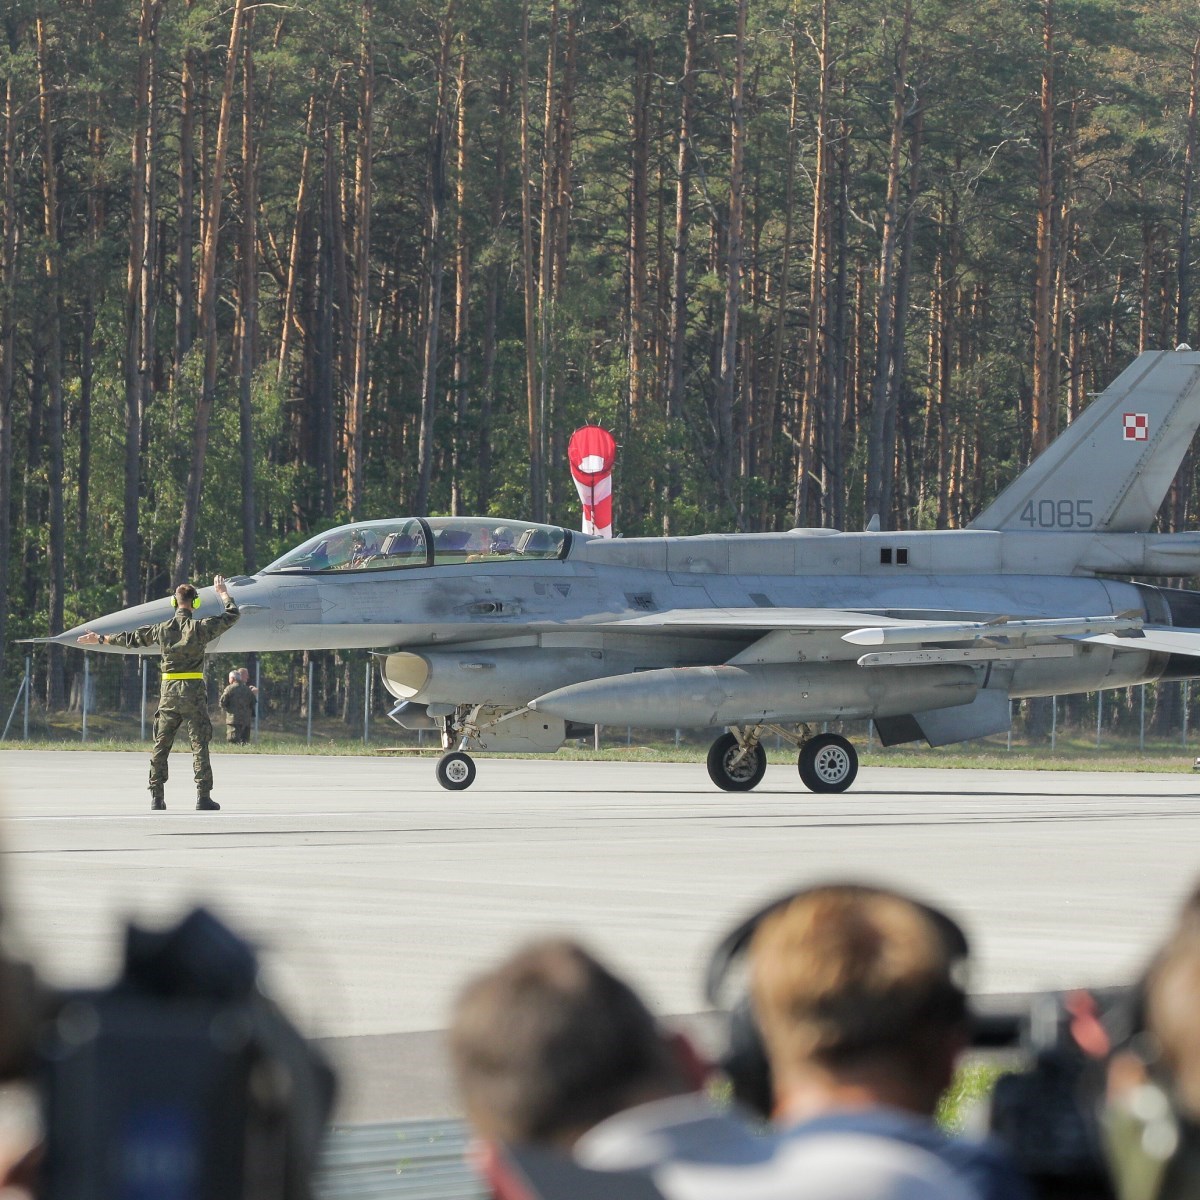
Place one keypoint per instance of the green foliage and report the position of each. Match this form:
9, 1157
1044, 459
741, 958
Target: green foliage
971, 97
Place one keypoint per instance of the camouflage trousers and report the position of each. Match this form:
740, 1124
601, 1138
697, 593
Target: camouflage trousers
182, 700
237, 735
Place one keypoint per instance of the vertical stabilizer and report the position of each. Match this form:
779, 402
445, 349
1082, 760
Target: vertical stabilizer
1111, 467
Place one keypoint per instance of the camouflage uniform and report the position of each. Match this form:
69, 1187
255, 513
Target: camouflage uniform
238, 703
182, 640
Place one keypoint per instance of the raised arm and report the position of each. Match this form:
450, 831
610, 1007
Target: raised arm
215, 626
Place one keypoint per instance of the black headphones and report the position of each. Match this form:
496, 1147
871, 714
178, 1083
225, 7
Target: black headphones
745, 1060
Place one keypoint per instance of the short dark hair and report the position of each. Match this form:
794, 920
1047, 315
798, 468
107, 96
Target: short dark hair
550, 1043
185, 594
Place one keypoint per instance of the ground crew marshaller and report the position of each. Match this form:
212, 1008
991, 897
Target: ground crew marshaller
183, 696
238, 701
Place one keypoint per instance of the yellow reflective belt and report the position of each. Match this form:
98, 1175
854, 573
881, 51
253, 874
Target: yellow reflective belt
183, 674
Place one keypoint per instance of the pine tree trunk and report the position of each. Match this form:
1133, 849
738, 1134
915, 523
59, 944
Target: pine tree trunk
8, 334
639, 200
249, 305
536, 472
184, 312
677, 330
727, 385
491, 307
462, 300
436, 194
1042, 425
882, 391
357, 408
817, 269
186, 542
298, 230
1183, 286
55, 683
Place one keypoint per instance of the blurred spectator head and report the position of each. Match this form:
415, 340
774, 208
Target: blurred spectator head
1151, 1113
244, 674
234, 676
854, 990
550, 1042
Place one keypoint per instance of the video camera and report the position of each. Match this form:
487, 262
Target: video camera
1046, 1113
181, 1081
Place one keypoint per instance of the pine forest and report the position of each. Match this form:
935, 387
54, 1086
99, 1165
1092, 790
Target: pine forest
269, 267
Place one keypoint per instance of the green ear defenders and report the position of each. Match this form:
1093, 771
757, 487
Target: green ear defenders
175, 602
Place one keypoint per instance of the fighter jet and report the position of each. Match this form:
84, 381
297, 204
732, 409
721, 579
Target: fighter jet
508, 636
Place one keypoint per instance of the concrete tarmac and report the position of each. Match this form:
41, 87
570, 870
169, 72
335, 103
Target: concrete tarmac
375, 893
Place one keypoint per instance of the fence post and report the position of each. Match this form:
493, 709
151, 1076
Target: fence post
1053, 723
13, 712
87, 679
1099, 716
367, 703
28, 686
1187, 696
310, 698
1010, 719
257, 691
595, 737
1142, 722
142, 714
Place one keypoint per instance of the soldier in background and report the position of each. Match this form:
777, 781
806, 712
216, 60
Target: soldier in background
238, 702
183, 696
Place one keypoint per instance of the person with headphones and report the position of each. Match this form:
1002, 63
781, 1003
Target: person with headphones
183, 695
552, 1050
853, 1024
1150, 1115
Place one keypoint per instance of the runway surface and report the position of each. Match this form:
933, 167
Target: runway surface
376, 893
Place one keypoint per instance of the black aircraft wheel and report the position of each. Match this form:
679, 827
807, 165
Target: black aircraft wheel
456, 771
735, 776
828, 763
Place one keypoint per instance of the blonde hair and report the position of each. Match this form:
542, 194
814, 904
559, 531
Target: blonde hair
845, 972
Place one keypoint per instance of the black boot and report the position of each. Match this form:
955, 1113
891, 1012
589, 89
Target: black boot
205, 803
157, 803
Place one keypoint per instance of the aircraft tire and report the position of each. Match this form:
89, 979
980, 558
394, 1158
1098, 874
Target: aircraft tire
456, 771
745, 775
828, 763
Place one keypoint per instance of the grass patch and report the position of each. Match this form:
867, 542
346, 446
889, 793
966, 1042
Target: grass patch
972, 1086
984, 757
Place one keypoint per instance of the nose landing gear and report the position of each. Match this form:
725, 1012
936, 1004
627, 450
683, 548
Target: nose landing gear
455, 771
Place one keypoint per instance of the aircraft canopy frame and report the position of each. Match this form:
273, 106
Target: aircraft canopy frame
400, 543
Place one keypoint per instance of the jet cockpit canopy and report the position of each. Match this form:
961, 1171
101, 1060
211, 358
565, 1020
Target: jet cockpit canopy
422, 542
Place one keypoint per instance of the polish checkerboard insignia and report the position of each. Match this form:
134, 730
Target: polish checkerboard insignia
1137, 427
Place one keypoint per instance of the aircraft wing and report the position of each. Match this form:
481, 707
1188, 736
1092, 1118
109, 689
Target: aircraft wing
821, 634
1158, 640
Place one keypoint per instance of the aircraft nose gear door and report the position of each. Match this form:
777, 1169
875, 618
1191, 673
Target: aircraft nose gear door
828, 763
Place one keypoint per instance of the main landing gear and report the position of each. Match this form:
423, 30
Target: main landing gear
737, 761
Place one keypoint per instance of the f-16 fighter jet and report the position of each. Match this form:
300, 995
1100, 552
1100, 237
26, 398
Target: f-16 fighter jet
506, 635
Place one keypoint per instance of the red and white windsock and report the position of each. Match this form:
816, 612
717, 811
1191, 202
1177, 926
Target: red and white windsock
592, 452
